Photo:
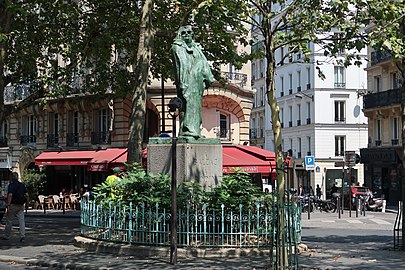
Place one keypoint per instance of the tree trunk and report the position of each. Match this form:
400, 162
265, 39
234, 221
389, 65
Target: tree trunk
138, 112
275, 118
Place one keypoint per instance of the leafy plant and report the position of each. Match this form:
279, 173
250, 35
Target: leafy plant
34, 181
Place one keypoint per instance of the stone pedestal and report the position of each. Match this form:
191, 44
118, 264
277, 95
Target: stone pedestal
197, 160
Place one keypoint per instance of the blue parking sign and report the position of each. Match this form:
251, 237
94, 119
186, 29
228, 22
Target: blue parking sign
309, 163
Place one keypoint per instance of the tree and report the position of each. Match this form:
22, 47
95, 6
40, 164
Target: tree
99, 46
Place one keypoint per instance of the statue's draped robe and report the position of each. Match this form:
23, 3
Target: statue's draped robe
193, 75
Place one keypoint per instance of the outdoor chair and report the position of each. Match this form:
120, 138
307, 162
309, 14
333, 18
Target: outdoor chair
74, 201
41, 204
65, 201
56, 202
48, 202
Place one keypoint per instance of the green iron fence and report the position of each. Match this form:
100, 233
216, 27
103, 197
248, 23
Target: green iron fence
198, 226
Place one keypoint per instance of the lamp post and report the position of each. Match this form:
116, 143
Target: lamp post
301, 95
175, 106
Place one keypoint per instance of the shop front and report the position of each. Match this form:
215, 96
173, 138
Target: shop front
73, 170
382, 171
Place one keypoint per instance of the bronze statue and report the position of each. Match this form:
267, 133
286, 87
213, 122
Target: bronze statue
192, 75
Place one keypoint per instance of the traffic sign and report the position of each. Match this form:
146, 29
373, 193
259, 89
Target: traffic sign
309, 163
350, 158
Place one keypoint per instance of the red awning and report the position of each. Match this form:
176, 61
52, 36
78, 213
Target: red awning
105, 160
250, 159
95, 160
65, 158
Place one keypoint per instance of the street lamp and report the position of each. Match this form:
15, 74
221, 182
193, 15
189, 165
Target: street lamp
175, 105
302, 95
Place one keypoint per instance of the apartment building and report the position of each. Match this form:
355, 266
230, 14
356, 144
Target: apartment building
320, 118
382, 157
76, 140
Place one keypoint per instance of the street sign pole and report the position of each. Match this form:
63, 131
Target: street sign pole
309, 166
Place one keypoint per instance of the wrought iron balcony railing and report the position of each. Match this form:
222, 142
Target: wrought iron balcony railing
100, 138
381, 99
394, 141
379, 56
235, 78
308, 121
340, 85
26, 140
52, 140
72, 139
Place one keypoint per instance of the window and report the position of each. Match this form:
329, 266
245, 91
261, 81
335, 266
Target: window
299, 81
299, 147
378, 132
394, 80
340, 146
308, 113
308, 78
261, 67
282, 86
253, 71
72, 135
291, 116
309, 146
261, 96
53, 130
3, 134
339, 111
261, 127
299, 114
290, 83
282, 56
377, 84
395, 130
340, 77
29, 130
224, 127
101, 125
282, 117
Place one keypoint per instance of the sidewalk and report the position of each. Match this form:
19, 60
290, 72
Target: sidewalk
50, 244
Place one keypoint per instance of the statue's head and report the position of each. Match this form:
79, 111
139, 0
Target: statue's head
186, 34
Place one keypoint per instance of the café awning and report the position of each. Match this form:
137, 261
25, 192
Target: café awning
250, 159
107, 159
95, 160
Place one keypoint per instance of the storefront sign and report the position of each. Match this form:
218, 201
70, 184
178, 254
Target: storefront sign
378, 155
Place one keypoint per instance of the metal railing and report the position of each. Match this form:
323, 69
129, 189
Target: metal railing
381, 99
3, 141
235, 78
198, 226
72, 139
28, 140
100, 138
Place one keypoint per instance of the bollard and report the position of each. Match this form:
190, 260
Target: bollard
383, 206
356, 201
338, 206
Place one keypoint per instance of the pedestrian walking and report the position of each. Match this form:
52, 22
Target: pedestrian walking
318, 191
17, 196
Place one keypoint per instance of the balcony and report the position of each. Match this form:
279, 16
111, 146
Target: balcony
282, 125
298, 88
3, 141
308, 121
19, 92
340, 85
253, 133
72, 139
289, 123
381, 99
309, 153
394, 141
100, 138
281, 94
298, 122
52, 140
28, 140
239, 79
339, 154
308, 86
290, 91
380, 56
298, 154
377, 142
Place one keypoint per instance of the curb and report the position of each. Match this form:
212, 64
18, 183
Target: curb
155, 251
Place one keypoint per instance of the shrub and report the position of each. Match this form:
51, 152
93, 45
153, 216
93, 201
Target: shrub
34, 181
